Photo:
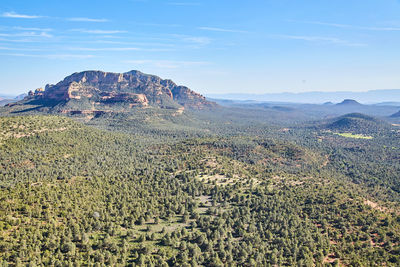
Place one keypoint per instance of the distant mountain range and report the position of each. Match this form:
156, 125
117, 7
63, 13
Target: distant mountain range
16, 97
318, 111
392, 96
6, 99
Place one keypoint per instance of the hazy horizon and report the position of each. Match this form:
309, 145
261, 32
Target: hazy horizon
317, 97
340, 95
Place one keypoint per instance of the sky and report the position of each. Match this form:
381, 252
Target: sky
211, 46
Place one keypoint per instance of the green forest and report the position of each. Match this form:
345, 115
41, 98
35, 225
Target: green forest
196, 190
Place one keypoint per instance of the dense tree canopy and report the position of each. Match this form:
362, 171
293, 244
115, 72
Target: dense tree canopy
75, 195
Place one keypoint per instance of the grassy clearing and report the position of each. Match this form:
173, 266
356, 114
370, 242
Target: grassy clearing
355, 136
217, 178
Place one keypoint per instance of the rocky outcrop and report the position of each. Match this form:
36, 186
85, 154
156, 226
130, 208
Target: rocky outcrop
134, 88
139, 99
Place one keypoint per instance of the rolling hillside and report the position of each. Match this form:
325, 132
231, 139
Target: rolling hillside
72, 194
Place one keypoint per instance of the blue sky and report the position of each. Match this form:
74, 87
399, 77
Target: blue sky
212, 46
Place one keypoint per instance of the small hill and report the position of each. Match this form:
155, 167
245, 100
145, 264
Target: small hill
349, 102
98, 92
396, 115
281, 108
357, 123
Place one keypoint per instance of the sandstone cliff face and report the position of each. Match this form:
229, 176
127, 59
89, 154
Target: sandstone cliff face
134, 88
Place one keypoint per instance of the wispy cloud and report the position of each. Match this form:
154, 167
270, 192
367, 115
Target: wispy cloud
338, 25
197, 40
215, 29
188, 40
13, 28
158, 24
89, 49
320, 39
105, 49
167, 64
87, 20
20, 49
50, 56
18, 40
27, 34
33, 29
98, 31
146, 44
183, 3
381, 28
193, 40
19, 16
76, 19
119, 49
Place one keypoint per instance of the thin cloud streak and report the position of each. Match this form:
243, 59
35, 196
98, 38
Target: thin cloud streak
380, 28
20, 49
198, 40
321, 39
11, 28
27, 34
18, 40
117, 49
215, 29
132, 43
105, 49
33, 29
158, 24
337, 25
168, 64
24, 16
50, 56
98, 31
19, 16
87, 20
194, 40
183, 4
